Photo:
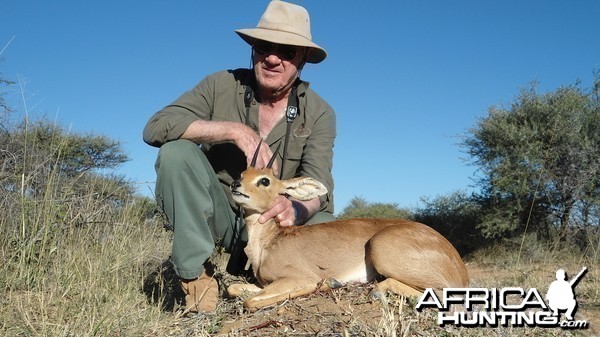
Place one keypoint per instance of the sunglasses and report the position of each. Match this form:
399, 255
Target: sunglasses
286, 52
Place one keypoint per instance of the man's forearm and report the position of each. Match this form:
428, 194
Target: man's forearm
201, 131
305, 209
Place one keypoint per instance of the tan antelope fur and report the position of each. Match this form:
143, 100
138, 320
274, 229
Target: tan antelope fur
404, 256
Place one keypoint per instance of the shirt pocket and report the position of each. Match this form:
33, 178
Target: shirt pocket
295, 149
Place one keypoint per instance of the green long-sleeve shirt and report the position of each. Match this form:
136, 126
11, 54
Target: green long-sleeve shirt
220, 97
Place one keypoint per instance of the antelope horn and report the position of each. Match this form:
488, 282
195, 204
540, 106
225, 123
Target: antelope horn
270, 164
253, 163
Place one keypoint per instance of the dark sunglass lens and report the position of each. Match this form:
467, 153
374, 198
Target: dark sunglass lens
263, 47
287, 52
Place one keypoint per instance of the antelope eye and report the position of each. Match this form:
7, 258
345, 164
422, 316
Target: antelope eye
264, 181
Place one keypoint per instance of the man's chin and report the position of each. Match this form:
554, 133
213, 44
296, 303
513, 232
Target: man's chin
273, 85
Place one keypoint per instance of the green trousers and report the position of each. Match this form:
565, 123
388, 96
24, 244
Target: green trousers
188, 191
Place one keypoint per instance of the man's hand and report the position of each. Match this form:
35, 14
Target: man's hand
288, 212
282, 211
247, 140
243, 137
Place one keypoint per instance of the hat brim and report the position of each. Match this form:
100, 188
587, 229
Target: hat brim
249, 35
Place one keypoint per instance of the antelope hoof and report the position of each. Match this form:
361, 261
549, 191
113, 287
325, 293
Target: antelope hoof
249, 306
239, 290
333, 283
375, 295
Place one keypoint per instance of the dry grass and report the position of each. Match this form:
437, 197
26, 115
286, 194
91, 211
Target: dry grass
90, 282
87, 283
65, 275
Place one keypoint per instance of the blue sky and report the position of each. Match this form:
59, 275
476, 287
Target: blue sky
406, 78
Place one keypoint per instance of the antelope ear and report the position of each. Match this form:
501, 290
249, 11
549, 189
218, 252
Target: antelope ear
303, 188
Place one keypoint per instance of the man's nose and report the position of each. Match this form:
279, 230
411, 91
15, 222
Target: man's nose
273, 58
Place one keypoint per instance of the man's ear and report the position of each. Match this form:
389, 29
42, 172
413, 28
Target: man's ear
303, 188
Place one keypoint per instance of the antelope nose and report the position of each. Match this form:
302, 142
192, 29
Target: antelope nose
235, 184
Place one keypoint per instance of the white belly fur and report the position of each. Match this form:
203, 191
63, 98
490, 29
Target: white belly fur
359, 274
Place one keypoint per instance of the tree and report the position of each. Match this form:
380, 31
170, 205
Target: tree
35, 151
42, 167
456, 217
4, 108
540, 161
360, 208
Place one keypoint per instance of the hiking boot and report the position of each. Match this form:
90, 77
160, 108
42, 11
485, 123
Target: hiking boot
201, 294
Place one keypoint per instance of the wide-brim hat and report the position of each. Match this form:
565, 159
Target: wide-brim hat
285, 23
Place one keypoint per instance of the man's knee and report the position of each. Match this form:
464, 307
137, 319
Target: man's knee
177, 151
182, 168
178, 156
321, 217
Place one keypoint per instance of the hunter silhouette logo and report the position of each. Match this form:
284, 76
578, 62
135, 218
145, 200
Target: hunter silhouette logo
561, 294
508, 306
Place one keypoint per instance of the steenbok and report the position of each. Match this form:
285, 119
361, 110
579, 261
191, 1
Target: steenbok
405, 257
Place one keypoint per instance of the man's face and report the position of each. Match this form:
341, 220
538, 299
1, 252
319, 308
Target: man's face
276, 66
